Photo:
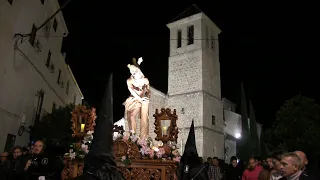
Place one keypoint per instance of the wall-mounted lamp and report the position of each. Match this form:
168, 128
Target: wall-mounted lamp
22, 127
237, 135
23, 118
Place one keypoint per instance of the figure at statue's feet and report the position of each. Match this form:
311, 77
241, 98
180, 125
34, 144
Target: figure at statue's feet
138, 102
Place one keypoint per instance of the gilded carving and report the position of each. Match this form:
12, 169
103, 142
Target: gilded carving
145, 174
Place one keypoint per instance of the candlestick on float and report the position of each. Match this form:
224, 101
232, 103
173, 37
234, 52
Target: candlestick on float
82, 128
81, 124
166, 127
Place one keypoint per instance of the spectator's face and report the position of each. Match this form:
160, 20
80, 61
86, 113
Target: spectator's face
16, 153
4, 156
234, 163
209, 161
252, 164
276, 164
38, 147
270, 163
215, 162
287, 167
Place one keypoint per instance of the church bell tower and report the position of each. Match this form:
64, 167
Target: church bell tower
194, 87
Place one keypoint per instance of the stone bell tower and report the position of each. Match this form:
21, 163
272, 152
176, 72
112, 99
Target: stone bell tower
194, 88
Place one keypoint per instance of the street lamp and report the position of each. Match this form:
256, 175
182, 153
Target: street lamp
238, 135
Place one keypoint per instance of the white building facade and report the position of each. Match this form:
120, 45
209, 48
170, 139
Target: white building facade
233, 128
34, 77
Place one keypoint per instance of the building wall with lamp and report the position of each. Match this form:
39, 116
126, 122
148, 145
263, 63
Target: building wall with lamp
233, 128
34, 77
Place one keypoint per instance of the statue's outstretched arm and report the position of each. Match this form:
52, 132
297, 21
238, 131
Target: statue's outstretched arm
134, 94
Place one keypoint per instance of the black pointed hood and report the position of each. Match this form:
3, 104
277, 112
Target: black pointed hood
190, 149
100, 162
190, 166
103, 134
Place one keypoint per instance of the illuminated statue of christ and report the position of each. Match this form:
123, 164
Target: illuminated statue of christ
138, 101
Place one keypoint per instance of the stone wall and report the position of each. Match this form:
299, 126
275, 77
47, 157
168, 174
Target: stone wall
185, 73
211, 73
194, 85
158, 100
213, 126
213, 143
231, 144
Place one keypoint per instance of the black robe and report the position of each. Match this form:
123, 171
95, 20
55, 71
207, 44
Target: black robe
100, 162
191, 167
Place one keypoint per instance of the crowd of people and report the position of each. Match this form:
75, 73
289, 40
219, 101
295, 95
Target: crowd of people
278, 166
30, 163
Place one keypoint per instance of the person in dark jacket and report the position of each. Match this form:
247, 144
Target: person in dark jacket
267, 169
42, 164
233, 172
307, 172
208, 163
3, 157
13, 167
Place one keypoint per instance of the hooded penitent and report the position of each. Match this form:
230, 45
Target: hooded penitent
191, 167
100, 163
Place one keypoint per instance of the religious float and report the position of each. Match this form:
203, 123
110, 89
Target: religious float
137, 158
146, 159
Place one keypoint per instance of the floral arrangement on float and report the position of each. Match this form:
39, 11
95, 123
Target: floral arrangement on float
79, 153
129, 146
148, 148
83, 122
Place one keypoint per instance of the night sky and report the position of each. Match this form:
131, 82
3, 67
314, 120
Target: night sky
270, 47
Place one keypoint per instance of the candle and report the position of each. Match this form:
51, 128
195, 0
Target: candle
82, 127
164, 130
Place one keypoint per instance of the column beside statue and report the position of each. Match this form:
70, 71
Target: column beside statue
137, 104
